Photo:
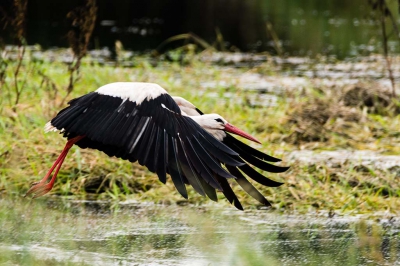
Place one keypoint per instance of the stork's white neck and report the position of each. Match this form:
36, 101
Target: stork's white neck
187, 108
132, 91
212, 126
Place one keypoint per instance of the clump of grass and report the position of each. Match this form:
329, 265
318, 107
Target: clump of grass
317, 119
323, 116
372, 96
309, 119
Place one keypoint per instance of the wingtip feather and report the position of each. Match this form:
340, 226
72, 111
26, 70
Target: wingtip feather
49, 127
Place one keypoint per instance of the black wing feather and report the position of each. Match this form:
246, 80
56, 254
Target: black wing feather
149, 149
209, 161
137, 133
163, 158
202, 133
189, 171
145, 144
209, 190
256, 176
263, 165
156, 150
247, 186
174, 168
250, 150
228, 193
201, 168
223, 157
254, 160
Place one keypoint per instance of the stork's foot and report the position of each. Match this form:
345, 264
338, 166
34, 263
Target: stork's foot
38, 189
43, 186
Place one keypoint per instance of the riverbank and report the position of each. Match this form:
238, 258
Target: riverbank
289, 112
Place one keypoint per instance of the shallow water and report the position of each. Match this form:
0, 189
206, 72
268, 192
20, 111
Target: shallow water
57, 231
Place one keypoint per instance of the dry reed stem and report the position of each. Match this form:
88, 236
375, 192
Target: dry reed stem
83, 19
17, 22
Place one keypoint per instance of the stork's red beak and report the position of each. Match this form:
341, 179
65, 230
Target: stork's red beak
234, 130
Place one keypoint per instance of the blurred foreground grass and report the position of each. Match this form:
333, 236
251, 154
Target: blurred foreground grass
26, 152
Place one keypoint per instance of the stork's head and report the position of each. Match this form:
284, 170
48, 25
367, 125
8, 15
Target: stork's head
217, 126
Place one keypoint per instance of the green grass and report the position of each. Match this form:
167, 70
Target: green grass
26, 152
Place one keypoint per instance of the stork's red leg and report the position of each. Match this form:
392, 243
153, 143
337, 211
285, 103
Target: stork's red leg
42, 187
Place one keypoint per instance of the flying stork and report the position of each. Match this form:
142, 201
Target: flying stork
141, 122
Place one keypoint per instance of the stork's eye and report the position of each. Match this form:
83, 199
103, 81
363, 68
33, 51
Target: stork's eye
219, 120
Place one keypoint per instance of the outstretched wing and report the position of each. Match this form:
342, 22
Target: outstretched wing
154, 133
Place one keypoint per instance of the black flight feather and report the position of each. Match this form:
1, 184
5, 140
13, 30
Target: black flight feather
156, 153
262, 164
127, 131
145, 144
149, 149
188, 170
163, 157
174, 168
247, 186
209, 161
228, 193
217, 153
201, 168
228, 140
137, 133
209, 190
256, 176
205, 135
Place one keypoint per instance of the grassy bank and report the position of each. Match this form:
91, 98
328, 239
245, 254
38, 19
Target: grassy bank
26, 152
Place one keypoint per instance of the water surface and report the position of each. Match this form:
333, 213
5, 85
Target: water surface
57, 232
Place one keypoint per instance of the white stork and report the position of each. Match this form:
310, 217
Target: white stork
141, 122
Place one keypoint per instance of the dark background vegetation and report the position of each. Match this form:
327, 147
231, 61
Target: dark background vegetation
334, 27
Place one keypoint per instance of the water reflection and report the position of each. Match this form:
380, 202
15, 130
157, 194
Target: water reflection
87, 233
